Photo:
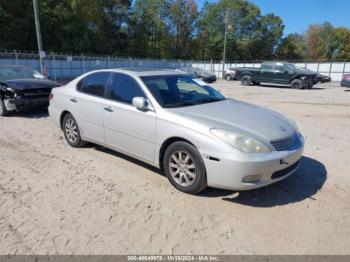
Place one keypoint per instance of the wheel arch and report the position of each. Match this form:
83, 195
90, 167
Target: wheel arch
63, 114
245, 73
166, 144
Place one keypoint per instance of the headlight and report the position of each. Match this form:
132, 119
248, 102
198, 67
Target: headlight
243, 143
10, 89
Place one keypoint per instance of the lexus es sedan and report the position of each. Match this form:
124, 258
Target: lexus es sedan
22, 88
193, 133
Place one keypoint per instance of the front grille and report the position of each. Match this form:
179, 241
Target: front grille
284, 144
285, 171
35, 93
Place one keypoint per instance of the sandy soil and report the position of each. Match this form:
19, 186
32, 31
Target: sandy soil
58, 200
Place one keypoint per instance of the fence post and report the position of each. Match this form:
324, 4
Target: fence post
330, 69
54, 67
343, 68
16, 55
83, 64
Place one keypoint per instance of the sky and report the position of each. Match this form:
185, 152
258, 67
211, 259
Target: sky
298, 14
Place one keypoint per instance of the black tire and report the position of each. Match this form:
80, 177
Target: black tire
256, 83
199, 182
309, 86
246, 81
3, 110
228, 77
297, 84
68, 120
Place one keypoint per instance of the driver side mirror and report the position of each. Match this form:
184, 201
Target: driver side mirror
140, 103
285, 71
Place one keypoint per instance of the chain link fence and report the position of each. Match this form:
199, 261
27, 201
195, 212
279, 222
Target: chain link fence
65, 66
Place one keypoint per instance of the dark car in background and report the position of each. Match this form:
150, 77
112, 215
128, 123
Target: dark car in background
276, 73
196, 72
22, 88
345, 82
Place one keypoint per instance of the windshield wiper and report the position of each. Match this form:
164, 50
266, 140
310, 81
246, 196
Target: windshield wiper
195, 102
209, 99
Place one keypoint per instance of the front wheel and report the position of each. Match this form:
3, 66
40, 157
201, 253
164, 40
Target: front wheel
246, 81
3, 110
228, 77
297, 84
184, 167
72, 132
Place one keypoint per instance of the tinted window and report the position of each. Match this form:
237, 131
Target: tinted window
280, 67
94, 84
267, 66
124, 88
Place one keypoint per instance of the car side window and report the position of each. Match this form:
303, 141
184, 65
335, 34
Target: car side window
280, 68
124, 88
94, 84
267, 66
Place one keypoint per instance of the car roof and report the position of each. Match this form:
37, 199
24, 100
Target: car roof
148, 71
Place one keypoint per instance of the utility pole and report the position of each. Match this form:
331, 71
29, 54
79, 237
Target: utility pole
38, 36
225, 40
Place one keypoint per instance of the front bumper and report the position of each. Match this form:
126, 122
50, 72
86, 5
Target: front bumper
209, 79
229, 171
24, 104
345, 83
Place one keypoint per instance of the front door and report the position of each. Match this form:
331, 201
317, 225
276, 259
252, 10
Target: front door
126, 127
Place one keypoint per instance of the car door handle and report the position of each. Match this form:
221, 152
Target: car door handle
108, 109
73, 100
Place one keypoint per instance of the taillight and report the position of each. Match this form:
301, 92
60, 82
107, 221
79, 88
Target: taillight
50, 96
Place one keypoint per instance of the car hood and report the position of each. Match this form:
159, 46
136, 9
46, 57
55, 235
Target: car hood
306, 72
240, 117
26, 84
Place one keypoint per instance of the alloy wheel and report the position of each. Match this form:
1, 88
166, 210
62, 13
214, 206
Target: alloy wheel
71, 130
182, 168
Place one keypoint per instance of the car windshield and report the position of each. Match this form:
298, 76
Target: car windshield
8, 73
180, 90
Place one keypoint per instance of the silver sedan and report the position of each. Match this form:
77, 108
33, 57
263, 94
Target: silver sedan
195, 135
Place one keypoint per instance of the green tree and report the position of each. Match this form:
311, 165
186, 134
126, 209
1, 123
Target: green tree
250, 35
183, 15
292, 47
266, 36
17, 25
149, 29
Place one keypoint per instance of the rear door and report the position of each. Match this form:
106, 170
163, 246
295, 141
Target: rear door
88, 105
267, 72
281, 74
127, 128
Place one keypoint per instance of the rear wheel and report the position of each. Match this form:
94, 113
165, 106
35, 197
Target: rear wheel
72, 132
228, 77
246, 81
184, 167
297, 84
3, 110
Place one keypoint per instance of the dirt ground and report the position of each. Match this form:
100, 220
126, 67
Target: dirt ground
58, 200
